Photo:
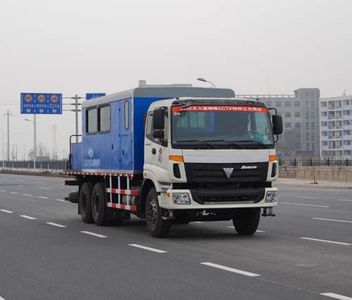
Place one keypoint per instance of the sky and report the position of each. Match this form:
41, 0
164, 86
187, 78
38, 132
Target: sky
79, 46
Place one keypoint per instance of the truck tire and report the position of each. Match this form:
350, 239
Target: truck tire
102, 215
158, 227
246, 220
84, 202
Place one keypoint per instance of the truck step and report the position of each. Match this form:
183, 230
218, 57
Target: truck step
71, 182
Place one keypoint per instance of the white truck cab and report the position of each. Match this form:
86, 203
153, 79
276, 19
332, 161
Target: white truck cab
211, 159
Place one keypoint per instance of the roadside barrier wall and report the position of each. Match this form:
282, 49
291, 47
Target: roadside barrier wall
335, 173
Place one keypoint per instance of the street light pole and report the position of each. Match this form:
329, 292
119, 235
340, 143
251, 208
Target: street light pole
76, 115
8, 135
204, 80
3, 149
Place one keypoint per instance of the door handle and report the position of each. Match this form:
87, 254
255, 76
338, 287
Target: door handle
153, 151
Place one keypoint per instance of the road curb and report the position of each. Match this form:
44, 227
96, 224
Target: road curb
32, 173
311, 185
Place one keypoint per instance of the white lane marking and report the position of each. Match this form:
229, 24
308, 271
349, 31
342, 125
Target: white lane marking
259, 231
55, 224
344, 200
28, 195
6, 211
94, 234
3, 191
302, 204
27, 217
1, 298
44, 188
245, 273
147, 248
13, 192
306, 197
198, 222
42, 197
336, 296
325, 241
333, 220
60, 200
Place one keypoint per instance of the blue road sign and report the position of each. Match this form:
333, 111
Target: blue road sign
94, 95
41, 103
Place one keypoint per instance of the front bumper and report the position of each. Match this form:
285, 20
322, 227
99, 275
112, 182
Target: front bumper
167, 201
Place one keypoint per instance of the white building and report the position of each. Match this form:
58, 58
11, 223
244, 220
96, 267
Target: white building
336, 127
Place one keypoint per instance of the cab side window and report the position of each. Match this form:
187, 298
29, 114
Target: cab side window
149, 126
149, 130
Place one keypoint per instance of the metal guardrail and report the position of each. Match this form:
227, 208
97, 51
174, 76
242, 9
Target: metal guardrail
40, 165
314, 162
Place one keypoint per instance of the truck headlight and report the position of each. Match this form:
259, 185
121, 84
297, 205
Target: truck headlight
181, 198
271, 196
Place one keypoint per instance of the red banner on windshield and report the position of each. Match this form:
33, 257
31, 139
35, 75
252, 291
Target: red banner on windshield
220, 108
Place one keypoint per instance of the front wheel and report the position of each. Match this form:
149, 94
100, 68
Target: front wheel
246, 221
157, 226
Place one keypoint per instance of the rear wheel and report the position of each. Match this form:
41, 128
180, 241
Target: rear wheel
157, 226
246, 220
103, 215
85, 202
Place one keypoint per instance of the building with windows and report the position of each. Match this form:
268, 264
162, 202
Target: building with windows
336, 127
300, 113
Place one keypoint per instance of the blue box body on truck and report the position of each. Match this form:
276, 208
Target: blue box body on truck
113, 127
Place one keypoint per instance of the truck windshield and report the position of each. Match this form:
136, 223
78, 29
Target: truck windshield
223, 126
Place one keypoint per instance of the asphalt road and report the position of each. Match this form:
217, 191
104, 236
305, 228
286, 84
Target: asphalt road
46, 252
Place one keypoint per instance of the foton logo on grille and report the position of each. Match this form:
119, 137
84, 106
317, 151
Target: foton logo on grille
228, 172
248, 167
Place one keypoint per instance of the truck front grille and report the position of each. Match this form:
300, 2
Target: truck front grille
216, 172
227, 182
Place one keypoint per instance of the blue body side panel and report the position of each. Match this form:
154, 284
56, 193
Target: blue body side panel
76, 157
111, 150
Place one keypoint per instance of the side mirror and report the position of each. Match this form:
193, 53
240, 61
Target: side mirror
159, 119
158, 134
277, 124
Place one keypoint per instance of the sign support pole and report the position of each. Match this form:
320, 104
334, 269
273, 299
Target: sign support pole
35, 141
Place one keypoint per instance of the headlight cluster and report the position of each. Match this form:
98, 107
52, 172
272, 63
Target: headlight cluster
271, 196
181, 198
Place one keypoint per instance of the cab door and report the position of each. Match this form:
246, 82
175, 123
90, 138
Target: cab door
155, 148
150, 145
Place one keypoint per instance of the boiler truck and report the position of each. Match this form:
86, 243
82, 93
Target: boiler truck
175, 154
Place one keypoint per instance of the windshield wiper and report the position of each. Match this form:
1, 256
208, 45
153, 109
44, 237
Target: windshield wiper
225, 142
200, 142
187, 141
254, 142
